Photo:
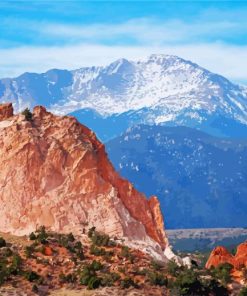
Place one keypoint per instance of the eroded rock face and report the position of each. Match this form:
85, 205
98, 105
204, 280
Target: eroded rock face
54, 172
218, 256
6, 111
221, 255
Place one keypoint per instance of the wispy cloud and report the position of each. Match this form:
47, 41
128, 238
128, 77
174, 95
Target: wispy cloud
143, 31
213, 38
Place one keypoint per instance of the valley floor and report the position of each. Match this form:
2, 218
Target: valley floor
204, 240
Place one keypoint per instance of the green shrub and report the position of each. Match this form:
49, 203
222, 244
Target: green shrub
91, 232
69, 278
4, 271
42, 250
243, 292
32, 236
97, 251
125, 252
172, 268
70, 237
94, 283
222, 273
42, 235
29, 251
2, 242
156, 265
35, 289
100, 239
187, 283
109, 279
157, 279
244, 272
108, 256
7, 252
127, 283
88, 275
27, 113
78, 245
67, 241
15, 267
138, 271
31, 276
213, 287
96, 265
80, 254
62, 240
122, 269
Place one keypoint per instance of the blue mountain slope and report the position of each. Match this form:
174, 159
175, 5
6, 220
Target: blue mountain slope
201, 180
114, 125
109, 127
30, 89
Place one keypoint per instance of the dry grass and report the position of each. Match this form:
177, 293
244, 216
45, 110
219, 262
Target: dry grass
67, 292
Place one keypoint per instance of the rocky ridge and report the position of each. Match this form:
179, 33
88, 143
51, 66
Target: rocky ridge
56, 173
160, 89
221, 255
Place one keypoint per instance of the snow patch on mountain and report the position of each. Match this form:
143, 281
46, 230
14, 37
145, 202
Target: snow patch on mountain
170, 88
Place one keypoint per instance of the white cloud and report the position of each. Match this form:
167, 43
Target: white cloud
229, 61
100, 44
146, 30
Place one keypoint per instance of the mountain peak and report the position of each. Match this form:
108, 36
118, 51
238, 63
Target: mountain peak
156, 57
119, 66
167, 59
171, 88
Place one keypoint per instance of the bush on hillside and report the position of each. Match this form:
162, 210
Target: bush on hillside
157, 279
2, 242
222, 273
243, 292
27, 113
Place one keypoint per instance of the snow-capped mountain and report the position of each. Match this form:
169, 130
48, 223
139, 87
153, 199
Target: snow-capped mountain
160, 89
200, 180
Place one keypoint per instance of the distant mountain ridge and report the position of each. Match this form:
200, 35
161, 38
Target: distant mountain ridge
161, 89
200, 180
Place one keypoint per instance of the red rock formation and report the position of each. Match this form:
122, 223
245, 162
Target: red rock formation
240, 259
55, 172
6, 111
221, 255
218, 256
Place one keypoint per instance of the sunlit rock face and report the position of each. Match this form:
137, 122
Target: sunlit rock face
221, 255
54, 172
218, 256
6, 111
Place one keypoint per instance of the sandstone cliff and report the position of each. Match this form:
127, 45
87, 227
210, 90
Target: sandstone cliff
54, 172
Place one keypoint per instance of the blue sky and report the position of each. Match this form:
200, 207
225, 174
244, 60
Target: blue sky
39, 35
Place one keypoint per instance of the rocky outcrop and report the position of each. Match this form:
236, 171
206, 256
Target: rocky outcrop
240, 259
221, 255
55, 172
6, 111
218, 256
